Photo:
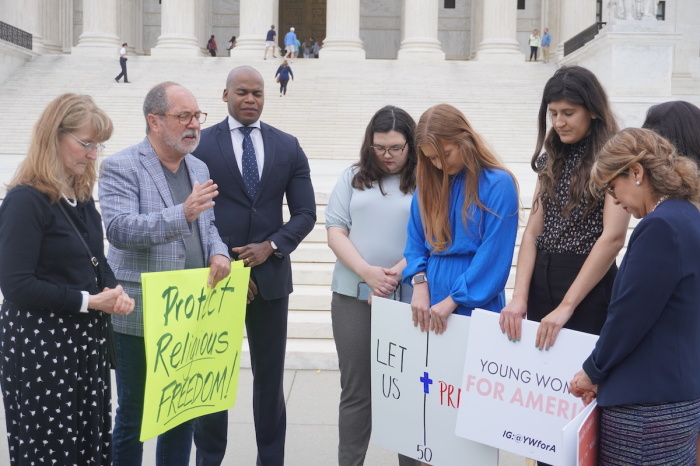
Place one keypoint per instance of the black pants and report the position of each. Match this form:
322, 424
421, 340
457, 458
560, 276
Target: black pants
553, 275
122, 63
283, 86
266, 325
533, 52
212, 52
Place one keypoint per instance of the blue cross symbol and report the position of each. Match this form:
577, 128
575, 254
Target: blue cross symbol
427, 381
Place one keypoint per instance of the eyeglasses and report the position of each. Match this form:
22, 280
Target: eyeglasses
186, 117
96, 146
611, 189
393, 151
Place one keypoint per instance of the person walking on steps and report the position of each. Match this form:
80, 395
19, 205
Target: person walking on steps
270, 42
283, 73
122, 63
211, 46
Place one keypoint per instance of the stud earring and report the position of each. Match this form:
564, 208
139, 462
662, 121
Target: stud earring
638, 182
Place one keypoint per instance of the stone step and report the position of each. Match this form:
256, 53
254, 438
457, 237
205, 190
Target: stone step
312, 273
310, 324
313, 252
310, 298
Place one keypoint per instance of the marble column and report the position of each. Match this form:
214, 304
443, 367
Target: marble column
420, 31
52, 23
498, 42
99, 35
342, 31
29, 17
255, 18
178, 29
131, 27
575, 17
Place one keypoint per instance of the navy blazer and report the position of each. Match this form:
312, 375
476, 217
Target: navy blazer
242, 220
649, 347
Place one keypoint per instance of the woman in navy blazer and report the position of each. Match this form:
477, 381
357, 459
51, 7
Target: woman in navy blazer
645, 367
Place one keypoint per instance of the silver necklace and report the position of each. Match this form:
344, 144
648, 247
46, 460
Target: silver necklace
661, 199
74, 202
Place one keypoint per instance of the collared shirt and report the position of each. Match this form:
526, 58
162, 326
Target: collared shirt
237, 141
546, 40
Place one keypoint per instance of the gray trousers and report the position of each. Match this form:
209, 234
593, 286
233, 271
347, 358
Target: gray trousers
352, 332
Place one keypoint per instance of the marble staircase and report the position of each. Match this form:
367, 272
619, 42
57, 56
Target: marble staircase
327, 107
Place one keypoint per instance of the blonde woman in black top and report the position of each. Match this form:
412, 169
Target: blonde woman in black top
54, 321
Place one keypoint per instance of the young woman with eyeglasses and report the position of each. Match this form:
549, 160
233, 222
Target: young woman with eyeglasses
366, 222
464, 219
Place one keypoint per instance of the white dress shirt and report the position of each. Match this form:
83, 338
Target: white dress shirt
237, 141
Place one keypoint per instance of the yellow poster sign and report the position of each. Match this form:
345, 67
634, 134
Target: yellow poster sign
193, 336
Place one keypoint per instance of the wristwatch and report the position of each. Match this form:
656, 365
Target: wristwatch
276, 252
419, 278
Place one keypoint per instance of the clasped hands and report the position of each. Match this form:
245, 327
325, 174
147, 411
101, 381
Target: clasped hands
582, 387
382, 281
112, 301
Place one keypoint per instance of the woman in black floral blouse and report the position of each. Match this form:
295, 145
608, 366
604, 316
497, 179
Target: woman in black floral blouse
566, 264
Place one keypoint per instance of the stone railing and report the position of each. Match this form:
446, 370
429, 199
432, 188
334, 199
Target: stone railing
16, 36
582, 38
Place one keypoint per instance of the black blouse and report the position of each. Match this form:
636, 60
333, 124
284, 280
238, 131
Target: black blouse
43, 263
575, 234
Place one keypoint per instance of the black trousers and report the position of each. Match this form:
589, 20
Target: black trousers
533, 52
553, 275
122, 63
283, 86
266, 326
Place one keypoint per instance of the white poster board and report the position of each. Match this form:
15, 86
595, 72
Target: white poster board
516, 397
415, 388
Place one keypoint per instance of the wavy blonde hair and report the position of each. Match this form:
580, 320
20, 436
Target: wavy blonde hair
669, 173
43, 168
439, 125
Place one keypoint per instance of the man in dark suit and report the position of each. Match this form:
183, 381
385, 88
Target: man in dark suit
255, 166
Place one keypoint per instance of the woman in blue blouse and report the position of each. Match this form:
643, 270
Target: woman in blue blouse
645, 365
463, 222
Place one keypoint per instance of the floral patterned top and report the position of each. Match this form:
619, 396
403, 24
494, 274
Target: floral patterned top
575, 235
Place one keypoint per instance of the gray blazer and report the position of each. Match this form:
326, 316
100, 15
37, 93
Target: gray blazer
145, 229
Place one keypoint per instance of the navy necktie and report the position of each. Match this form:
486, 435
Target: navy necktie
251, 178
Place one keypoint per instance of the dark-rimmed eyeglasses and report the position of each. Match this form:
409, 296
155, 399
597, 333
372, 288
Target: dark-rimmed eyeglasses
89, 146
393, 151
185, 117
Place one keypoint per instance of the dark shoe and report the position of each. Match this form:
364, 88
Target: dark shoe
116, 79
274, 56
127, 82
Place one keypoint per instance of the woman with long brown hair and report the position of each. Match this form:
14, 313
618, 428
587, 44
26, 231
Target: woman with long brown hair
366, 221
566, 263
464, 218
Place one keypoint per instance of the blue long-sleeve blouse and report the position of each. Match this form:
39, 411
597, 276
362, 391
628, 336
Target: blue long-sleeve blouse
475, 267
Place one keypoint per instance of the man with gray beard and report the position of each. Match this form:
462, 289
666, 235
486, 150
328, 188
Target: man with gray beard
156, 201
